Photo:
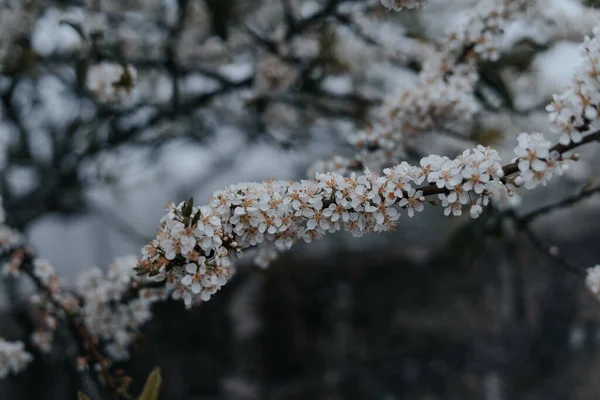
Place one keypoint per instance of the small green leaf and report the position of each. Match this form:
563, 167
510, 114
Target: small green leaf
152, 386
187, 207
196, 218
81, 396
155, 270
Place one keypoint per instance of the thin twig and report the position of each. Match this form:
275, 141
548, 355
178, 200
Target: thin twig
119, 222
569, 201
552, 252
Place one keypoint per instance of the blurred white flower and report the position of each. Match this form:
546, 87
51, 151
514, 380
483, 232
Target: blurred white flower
111, 82
13, 357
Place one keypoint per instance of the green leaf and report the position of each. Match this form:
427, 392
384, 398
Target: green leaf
152, 386
187, 207
196, 218
81, 396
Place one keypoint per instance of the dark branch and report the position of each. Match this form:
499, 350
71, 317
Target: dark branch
569, 201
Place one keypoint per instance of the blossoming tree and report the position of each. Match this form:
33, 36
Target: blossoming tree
371, 189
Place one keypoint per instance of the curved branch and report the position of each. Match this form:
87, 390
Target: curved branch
569, 201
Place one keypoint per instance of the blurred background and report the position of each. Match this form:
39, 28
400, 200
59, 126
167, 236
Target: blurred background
109, 109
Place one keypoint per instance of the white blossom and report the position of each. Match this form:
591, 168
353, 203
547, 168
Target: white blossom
574, 111
105, 314
536, 161
111, 83
443, 98
43, 339
592, 280
13, 357
398, 5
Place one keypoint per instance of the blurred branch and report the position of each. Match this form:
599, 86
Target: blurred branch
356, 29
112, 218
288, 13
569, 201
552, 252
327, 11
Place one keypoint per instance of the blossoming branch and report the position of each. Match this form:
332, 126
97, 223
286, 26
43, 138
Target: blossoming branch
192, 256
193, 248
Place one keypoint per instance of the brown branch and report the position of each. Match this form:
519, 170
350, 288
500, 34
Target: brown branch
136, 287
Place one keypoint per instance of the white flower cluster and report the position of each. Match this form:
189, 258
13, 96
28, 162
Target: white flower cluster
482, 32
592, 280
475, 173
444, 93
13, 357
193, 249
105, 311
573, 112
439, 99
113, 306
375, 145
398, 5
443, 97
536, 162
111, 82
434, 103
99, 300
